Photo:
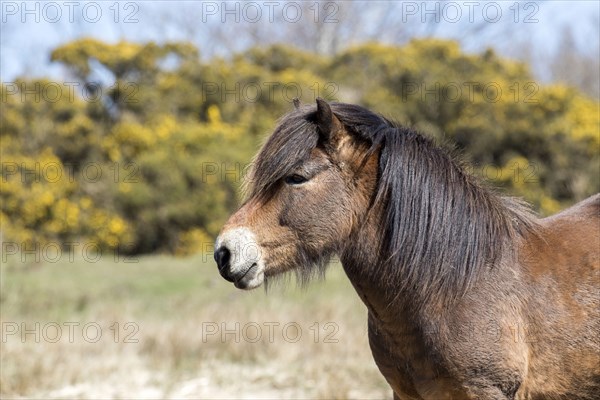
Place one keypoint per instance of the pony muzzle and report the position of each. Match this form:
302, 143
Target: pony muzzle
239, 258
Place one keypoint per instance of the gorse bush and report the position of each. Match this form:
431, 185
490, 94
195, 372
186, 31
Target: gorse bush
145, 148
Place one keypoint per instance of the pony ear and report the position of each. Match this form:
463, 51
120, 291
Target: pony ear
325, 119
296, 102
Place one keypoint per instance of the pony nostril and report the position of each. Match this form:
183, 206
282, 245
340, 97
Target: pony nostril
222, 256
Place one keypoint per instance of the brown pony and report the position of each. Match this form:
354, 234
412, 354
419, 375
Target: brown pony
469, 294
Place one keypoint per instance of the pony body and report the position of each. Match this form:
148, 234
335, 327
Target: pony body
469, 294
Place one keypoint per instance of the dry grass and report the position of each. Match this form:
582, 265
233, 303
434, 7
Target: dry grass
173, 302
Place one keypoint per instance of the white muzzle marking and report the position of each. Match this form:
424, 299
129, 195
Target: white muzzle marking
246, 258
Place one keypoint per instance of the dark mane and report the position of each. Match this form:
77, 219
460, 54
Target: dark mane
441, 227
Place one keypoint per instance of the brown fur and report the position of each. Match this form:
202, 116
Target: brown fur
518, 320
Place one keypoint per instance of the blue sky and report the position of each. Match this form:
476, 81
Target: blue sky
31, 29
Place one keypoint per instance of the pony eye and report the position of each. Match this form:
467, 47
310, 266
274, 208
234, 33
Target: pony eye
295, 179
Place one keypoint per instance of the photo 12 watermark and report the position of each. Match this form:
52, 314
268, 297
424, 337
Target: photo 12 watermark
70, 332
326, 12
469, 91
70, 11
67, 91
68, 251
55, 172
269, 332
491, 331
454, 12
271, 91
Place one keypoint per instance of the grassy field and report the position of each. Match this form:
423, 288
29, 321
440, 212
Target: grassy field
164, 327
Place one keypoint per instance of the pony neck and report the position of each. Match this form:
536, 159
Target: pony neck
433, 230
